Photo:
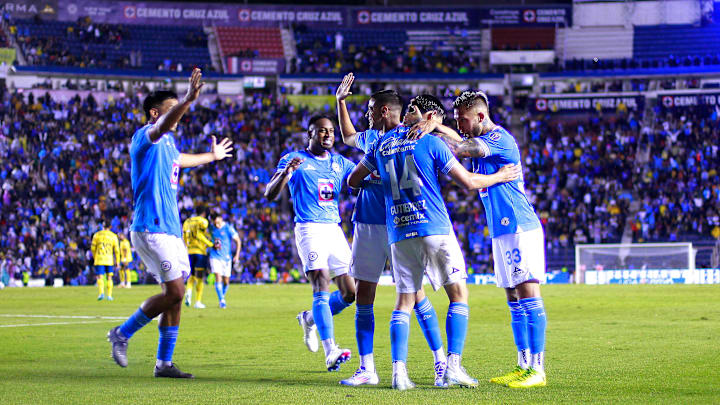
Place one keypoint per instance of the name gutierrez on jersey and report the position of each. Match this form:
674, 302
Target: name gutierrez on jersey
407, 207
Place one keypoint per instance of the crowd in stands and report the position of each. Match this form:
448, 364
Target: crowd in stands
65, 166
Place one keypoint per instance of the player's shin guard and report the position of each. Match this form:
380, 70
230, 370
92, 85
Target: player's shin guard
537, 322
322, 315
364, 328
134, 323
456, 327
166, 344
219, 291
110, 285
101, 285
225, 289
399, 333
127, 278
337, 303
519, 323
427, 318
199, 287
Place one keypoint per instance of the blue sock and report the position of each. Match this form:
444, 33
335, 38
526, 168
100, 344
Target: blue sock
399, 333
427, 318
166, 343
134, 323
225, 288
322, 315
219, 291
519, 323
364, 328
456, 327
337, 303
535, 310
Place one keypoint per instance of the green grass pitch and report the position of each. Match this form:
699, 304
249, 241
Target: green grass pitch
605, 344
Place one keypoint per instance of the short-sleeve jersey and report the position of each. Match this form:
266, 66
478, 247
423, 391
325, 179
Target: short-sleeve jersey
105, 248
222, 238
315, 186
125, 251
155, 170
195, 235
507, 208
409, 170
370, 205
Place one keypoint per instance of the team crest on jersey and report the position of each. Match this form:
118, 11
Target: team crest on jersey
336, 167
505, 221
494, 136
326, 191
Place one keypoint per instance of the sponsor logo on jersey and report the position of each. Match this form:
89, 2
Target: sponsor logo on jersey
312, 256
505, 221
165, 266
309, 167
336, 167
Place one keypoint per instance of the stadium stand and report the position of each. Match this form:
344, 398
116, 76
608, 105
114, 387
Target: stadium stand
250, 42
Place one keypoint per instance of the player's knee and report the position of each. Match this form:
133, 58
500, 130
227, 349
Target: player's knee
349, 296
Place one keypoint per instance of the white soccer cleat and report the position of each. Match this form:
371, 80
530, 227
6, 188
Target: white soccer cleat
188, 299
309, 333
457, 375
362, 377
336, 357
440, 368
401, 382
199, 305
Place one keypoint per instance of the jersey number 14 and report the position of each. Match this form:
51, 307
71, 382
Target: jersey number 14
408, 180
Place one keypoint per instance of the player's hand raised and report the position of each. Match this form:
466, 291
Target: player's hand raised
509, 172
195, 85
421, 129
221, 150
343, 91
293, 165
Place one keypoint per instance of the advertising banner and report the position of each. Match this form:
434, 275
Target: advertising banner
584, 104
237, 65
674, 276
679, 100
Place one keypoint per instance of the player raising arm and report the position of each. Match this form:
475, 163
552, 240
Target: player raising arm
155, 231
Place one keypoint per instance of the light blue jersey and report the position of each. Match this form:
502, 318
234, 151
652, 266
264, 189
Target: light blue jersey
221, 238
506, 206
414, 205
315, 186
155, 170
370, 205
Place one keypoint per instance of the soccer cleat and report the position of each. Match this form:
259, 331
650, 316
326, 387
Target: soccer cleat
188, 298
516, 373
199, 305
362, 377
110, 298
440, 368
401, 382
101, 297
309, 333
128, 285
119, 346
457, 375
223, 305
171, 372
531, 378
336, 357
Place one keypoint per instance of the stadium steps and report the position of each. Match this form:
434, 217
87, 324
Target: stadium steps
288, 42
589, 43
446, 40
214, 49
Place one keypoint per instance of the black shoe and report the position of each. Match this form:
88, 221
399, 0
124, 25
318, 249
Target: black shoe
171, 372
119, 346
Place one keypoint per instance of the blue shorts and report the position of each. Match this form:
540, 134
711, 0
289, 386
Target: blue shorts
101, 270
198, 262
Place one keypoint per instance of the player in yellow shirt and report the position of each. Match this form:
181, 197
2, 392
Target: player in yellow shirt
106, 255
125, 259
197, 241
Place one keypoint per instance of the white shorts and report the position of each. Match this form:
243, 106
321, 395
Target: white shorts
164, 255
322, 246
370, 250
519, 257
220, 267
437, 256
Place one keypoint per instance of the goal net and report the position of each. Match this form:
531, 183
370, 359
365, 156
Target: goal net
633, 263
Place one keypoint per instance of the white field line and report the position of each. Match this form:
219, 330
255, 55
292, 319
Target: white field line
51, 323
62, 316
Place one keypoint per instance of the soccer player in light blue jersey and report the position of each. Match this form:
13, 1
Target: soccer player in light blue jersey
370, 248
517, 235
221, 234
155, 231
421, 237
315, 177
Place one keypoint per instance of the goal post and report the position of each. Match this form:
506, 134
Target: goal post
634, 263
